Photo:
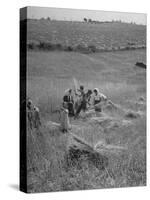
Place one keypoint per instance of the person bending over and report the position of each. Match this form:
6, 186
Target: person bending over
98, 99
84, 100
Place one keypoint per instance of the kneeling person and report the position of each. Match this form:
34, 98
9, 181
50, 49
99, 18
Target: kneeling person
98, 99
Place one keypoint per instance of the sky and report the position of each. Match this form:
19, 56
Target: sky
78, 15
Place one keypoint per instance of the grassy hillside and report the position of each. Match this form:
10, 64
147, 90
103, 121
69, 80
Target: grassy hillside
85, 37
115, 74
50, 73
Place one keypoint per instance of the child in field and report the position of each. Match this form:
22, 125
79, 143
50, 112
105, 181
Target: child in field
37, 120
29, 110
33, 115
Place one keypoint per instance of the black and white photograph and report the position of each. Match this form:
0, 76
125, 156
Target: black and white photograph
82, 99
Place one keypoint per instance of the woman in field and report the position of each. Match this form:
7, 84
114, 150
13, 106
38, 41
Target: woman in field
64, 119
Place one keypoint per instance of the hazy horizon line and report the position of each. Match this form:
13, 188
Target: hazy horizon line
70, 14
65, 20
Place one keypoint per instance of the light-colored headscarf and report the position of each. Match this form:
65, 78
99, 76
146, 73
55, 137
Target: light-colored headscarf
97, 90
103, 97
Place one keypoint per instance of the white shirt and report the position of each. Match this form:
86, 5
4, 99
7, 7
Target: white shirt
99, 97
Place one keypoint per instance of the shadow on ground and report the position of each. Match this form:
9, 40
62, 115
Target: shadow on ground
14, 186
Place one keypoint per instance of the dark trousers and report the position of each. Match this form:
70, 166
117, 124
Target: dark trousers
98, 109
82, 106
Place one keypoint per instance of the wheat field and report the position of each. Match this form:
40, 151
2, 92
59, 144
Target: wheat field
57, 54
115, 74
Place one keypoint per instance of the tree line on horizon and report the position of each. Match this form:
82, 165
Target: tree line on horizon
85, 20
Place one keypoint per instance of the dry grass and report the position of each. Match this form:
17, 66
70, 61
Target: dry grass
54, 172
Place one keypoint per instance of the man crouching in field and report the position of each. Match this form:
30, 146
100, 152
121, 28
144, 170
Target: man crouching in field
98, 100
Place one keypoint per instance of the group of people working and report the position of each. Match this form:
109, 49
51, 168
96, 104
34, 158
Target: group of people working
79, 100
74, 101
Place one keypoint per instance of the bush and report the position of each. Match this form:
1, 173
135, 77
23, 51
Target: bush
46, 46
69, 48
30, 46
132, 115
92, 48
81, 48
59, 46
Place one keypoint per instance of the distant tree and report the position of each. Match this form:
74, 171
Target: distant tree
48, 18
85, 19
89, 20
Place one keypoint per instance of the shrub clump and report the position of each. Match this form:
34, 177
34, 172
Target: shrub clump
132, 115
46, 46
